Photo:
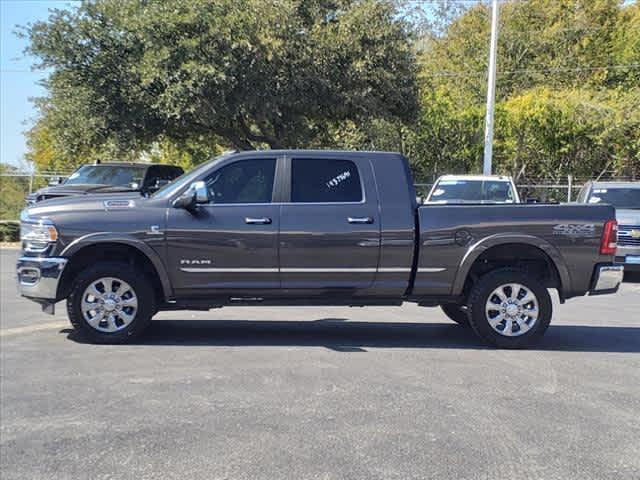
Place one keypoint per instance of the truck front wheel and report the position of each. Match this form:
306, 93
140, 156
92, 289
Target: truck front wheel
509, 308
456, 312
110, 302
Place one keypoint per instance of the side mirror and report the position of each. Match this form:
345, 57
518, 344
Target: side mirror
55, 181
197, 193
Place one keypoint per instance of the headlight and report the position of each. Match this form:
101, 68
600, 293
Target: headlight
38, 235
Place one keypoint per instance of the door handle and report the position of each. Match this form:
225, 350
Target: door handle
257, 221
360, 219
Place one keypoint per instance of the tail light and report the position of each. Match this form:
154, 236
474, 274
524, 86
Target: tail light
609, 238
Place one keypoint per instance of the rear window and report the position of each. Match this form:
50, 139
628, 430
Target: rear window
472, 191
618, 197
325, 181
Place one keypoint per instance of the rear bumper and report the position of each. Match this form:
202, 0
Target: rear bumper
628, 267
606, 279
38, 278
625, 254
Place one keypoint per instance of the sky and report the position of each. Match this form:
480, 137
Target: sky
17, 82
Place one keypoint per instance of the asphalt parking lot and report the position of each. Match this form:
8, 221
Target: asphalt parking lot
320, 393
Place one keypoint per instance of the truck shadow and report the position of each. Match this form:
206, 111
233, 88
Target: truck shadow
341, 335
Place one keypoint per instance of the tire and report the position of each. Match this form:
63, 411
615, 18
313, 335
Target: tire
124, 317
526, 316
456, 313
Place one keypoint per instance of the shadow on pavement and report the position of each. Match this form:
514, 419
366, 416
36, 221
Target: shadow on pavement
339, 335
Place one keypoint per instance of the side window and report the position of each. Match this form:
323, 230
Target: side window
582, 196
244, 181
151, 176
324, 181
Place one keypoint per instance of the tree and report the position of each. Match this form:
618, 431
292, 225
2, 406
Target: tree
278, 73
568, 90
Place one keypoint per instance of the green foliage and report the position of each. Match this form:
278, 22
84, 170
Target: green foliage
177, 81
9, 231
552, 133
568, 90
129, 74
12, 193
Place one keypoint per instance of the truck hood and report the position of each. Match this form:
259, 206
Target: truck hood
78, 203
57, 191
628, 216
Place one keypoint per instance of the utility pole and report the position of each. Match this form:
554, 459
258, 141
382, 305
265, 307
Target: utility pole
491, 91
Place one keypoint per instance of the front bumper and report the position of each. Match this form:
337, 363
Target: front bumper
606, 279
38, 277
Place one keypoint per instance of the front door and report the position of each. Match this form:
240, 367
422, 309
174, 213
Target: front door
330, 228
230, 244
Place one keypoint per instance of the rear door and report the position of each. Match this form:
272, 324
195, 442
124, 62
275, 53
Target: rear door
330, 228
230, 244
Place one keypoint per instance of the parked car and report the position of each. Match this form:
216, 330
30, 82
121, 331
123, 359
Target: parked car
106, 177
625, 197
310, 228
450, 189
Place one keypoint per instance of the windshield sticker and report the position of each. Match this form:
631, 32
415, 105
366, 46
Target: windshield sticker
438, 192
337, 180
594, 199
600, 190
452, 182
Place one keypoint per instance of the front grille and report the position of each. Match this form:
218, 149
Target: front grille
629, 235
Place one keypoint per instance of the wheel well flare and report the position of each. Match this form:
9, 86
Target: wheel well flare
109, 251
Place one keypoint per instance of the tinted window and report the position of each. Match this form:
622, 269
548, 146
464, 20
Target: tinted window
324, 180
619, 197
460, 191
161, 172
244, 181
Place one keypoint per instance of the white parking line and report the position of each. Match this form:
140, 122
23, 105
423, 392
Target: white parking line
6, 332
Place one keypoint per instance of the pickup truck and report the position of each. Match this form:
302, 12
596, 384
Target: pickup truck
310, 228
625, 197
107, 177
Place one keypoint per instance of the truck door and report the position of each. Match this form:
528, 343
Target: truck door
230, 244
330, 228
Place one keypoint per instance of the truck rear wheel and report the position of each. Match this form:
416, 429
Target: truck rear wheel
457, 313
110, 302
509, 308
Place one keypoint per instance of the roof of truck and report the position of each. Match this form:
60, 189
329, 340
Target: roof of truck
616, 184
121, 164
293, 152
503, 178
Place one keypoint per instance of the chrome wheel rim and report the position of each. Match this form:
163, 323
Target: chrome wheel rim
109, 304
512, 309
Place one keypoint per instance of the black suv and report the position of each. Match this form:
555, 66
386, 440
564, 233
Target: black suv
109, 177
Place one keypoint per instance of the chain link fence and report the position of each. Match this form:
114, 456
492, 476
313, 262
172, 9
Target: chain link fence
15, 187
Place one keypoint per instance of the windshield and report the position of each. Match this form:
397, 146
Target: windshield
185, 179
618, 197
119, 175
472, 191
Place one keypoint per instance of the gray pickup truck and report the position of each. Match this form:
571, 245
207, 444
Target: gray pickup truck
310, 228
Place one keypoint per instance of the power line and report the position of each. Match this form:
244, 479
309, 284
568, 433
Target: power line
542, 70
